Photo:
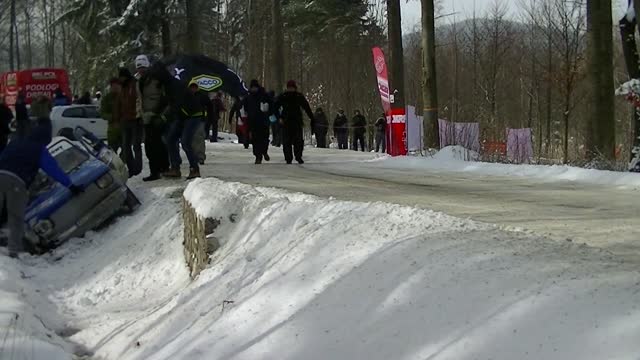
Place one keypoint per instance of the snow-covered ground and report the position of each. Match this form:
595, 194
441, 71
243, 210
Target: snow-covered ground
301, 277
454, 159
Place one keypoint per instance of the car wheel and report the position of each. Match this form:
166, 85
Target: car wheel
67, 133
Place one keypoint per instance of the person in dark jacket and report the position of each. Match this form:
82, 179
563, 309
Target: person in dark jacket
154, 104
292, 103
192, 112
321, 128
19, 164
341, 130
258, 106
381, 140
23, 123
276, 128
85, 99
214, 108
59, 99
6, 117
359, 125
130, 125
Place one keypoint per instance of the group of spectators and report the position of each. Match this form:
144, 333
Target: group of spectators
147, 107
342, 128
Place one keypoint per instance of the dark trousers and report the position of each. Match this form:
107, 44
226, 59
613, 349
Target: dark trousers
132, 145
156, 149
260, 141
343, 140
381, 141
4, 139
321, 139
276, 133
13, 200
358, 138
292, 139
211, 129
191, 126
172, 141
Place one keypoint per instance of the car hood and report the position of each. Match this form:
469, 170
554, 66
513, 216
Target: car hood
47, 203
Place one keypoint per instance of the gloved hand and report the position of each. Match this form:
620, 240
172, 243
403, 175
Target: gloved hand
76, 190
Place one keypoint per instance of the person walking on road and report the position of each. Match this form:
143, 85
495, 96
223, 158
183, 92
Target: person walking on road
321, 128
154, 104
130, 125
381, 140
359, 129
292, 103
214, 108
341, 130
258, 106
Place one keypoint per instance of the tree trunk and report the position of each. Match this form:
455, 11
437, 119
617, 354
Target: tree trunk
632, 62
165, 28
396, 55
193, 27
601, 129
12, 20
549, 92
278, 49
29, 54
429, 84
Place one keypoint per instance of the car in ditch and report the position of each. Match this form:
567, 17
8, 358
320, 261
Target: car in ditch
54, 214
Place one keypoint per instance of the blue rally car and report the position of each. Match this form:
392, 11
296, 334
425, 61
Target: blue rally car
54, 214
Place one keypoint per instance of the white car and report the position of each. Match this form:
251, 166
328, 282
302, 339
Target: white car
65, 119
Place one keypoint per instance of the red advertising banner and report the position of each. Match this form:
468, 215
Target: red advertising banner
34, 83
397, 132
383, 79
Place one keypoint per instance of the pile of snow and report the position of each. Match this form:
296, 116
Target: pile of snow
455, 159
298, 277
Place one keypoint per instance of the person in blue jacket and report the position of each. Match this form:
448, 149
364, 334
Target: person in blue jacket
19, 165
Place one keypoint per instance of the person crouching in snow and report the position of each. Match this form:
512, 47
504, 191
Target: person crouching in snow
19, 165
258, 106
292, 103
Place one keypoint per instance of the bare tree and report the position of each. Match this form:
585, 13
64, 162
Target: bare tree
396, 54
278, 51
601, 129
429, 82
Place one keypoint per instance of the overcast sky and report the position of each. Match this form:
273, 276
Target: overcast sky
464, 9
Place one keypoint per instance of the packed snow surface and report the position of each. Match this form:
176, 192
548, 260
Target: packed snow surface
299, 277
457, 159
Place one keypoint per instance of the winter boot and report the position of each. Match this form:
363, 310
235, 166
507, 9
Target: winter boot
193, 174
267, 157
174, 173
151, 177
258, 160
300, 161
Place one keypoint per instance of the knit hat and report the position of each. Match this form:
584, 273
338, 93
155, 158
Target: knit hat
292, 84
142, 61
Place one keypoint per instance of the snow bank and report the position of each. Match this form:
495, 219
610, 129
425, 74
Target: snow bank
453, 159
25, 319
298, 277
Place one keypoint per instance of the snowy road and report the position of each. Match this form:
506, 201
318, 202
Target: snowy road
598, 215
